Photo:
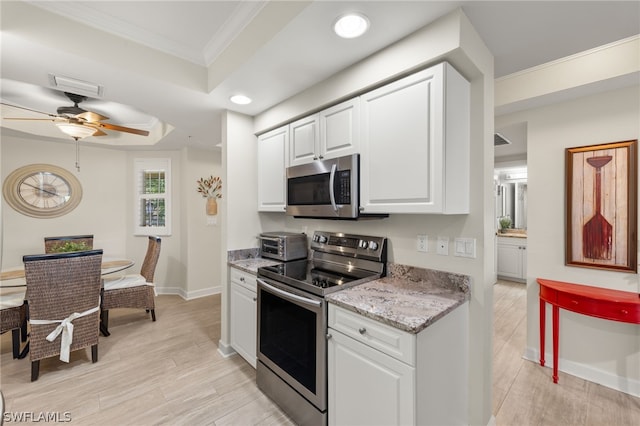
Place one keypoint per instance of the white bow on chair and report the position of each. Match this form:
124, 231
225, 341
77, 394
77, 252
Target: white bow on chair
66, 328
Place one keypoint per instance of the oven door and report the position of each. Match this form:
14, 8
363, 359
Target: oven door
292, 338
324, 188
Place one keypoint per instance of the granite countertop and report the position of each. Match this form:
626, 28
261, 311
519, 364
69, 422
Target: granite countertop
408, 298
248, 260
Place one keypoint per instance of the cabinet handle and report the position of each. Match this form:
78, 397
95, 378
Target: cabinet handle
321, 157
362, 330
624, 312
329, 336
315, 158
255, 299
575, 302
242, 279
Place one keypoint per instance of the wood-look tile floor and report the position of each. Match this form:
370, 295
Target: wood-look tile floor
169, 372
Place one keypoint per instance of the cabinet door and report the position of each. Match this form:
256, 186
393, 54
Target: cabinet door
305, 139
272, 154
366, 386
340, 129
510, 256
243, 322
415, 144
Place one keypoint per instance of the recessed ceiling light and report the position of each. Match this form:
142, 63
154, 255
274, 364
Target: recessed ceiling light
240, 99
351, 25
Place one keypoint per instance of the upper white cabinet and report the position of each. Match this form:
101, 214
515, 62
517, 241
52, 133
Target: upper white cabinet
272, 155
415, 144
331, 133
305, 139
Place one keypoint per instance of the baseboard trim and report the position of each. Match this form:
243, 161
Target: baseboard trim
586, 372
225, 349
191, 294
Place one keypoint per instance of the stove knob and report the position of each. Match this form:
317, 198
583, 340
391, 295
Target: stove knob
373, 245
322, 239
362, 244
315, 238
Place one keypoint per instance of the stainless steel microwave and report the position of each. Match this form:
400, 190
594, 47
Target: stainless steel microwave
325, 188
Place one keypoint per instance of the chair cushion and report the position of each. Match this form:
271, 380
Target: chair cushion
12, 300
125, 281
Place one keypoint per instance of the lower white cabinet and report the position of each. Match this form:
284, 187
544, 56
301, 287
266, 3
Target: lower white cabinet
243, 321
512, 258
380, 375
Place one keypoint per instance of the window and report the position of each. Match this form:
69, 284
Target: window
152, 196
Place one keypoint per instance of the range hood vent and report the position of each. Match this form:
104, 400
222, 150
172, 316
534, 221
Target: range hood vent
499, 140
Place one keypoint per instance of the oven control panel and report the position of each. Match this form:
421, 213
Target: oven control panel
369, 247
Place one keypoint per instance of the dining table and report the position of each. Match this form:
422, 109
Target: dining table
12, 279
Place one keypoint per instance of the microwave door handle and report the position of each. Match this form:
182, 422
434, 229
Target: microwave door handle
332, 195
290, 296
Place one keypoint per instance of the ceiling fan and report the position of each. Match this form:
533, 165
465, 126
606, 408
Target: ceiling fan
77, 122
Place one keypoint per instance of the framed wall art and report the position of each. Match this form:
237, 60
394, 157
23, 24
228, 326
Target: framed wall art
601, 191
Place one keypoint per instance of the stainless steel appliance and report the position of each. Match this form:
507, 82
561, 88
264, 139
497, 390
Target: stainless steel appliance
283, 246
292, 318
325, 189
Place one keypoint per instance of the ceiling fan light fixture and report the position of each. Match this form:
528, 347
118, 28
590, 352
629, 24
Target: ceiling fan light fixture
240, 99
351, 25
76, 131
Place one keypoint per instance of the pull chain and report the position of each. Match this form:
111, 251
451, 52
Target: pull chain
77, 154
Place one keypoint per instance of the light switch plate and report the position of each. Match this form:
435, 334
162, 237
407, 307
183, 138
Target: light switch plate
465, 247
443, 246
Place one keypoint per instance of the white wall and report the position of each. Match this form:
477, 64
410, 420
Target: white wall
200, 234
602, 351
101, 213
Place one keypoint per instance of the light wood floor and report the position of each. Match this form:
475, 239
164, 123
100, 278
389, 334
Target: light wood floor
170, 372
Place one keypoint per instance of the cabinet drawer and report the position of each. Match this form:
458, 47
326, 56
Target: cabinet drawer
243, 278
391, 341
617, 311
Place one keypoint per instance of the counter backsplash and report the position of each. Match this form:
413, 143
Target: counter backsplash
453, 281
233, 255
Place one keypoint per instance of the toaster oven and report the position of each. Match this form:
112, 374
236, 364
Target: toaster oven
284, 246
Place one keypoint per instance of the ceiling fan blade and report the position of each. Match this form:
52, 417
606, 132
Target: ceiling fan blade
121, 129
29, 109
91, 116
32, 119
99, 133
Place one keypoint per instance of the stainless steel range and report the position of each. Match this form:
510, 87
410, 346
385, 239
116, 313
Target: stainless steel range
292, 318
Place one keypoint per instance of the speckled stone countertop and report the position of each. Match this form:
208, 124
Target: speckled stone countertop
248, 260
408, 298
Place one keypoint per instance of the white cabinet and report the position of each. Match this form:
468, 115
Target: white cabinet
272, 163
305, 139
331, 133
380, 375
243, 331
415, 144
512, 258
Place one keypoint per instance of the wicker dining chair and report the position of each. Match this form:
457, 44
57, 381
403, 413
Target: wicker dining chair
57, 244
133, 290
62, 289
13, 317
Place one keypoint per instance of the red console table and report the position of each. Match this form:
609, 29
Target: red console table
615, 305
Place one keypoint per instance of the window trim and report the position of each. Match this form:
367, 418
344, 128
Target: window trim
140, 165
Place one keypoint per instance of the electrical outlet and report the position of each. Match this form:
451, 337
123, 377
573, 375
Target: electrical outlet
422, 243
443, 246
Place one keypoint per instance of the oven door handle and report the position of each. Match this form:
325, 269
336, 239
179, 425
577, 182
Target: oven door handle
332, 178
290, 296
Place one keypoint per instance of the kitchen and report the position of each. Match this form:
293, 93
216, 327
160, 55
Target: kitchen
242, 223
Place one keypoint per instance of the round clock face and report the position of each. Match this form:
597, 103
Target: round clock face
42, 190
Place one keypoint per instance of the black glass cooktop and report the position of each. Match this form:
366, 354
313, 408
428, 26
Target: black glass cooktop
314, 277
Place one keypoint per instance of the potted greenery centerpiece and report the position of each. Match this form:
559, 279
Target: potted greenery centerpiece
505, 223
211, 190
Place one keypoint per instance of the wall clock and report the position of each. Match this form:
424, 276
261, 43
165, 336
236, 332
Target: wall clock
42, 190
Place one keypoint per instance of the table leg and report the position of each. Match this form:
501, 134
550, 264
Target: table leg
556, 331
542, 330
